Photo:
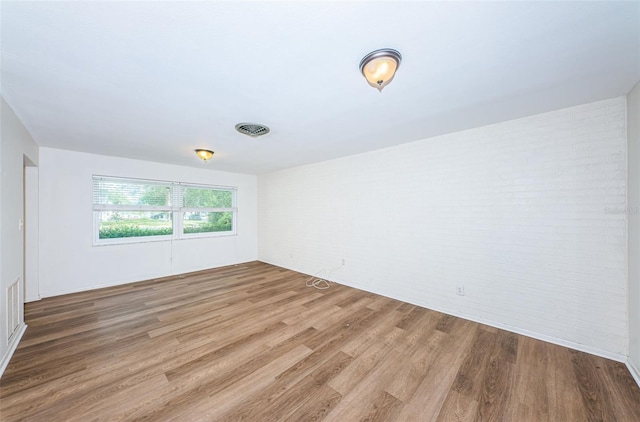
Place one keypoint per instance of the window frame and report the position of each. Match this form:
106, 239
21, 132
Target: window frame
176, 209
233, 209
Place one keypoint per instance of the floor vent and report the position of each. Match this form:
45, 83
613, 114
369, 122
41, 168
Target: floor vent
13, 308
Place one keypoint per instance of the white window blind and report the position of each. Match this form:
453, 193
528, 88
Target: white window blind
130, 209
114, 194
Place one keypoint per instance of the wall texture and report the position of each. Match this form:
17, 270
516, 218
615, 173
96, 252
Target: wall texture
633, 130
31, 234
16, 145
68, 260
527, 215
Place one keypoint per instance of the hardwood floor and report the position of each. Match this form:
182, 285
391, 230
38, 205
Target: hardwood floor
252, 342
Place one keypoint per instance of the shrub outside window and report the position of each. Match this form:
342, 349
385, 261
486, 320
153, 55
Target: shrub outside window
135, 210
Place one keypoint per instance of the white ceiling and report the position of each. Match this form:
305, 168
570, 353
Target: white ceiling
155, 80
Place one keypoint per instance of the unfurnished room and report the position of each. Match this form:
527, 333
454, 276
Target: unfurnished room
320, 210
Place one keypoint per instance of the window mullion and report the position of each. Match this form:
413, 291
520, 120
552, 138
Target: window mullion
177, 199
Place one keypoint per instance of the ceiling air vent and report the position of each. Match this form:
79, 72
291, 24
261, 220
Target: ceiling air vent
252, 129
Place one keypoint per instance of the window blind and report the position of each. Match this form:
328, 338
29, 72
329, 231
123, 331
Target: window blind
126, 209
131, 194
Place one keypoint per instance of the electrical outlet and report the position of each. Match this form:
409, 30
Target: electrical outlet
460, 290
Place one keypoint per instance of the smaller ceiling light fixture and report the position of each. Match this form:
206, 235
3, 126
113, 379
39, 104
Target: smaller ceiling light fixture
205, 154
379, 67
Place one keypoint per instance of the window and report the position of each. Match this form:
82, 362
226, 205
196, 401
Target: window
206, 210
133, 210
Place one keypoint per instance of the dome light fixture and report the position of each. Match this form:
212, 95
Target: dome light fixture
379, 67
205, 154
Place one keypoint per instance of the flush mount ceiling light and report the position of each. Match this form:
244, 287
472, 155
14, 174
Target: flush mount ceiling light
205, 154
379, 67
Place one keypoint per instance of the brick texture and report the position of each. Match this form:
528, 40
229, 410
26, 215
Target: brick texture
529, 215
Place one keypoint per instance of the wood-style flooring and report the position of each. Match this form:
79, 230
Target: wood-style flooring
251, 342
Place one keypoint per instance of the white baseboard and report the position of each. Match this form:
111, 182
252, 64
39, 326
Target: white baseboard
538, 336
635, 373
51, 293
12, 348
619, 357
144, 277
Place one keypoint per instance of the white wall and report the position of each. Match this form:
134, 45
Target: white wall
633, 133
68, 260
15, 145
528, 215
32, 235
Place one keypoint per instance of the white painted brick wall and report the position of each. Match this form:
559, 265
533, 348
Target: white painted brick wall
529, 215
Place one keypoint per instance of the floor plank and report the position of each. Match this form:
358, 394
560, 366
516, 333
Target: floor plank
253, 342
